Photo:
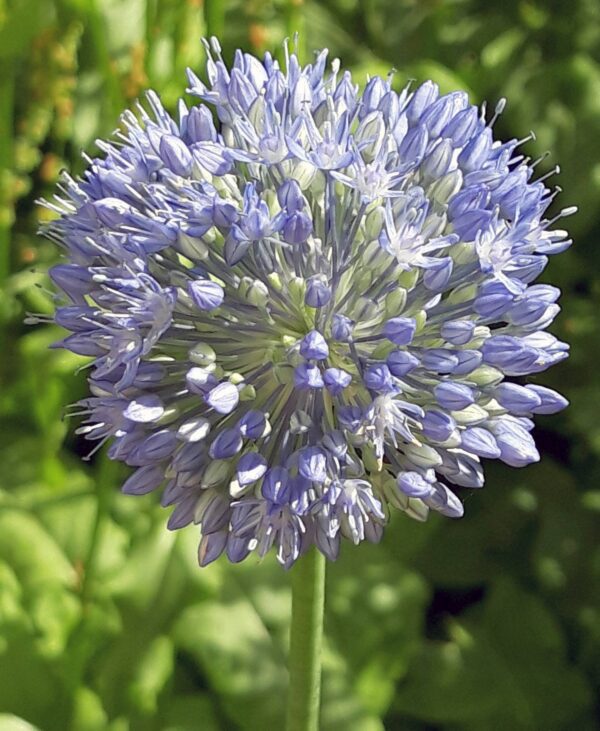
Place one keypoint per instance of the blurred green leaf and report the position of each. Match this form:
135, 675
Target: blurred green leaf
375, 613
20, 22
234, 649
511, 666
153, 671
187, 713
88, 714
32, 553
12, 723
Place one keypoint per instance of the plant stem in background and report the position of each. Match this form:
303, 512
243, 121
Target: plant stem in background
7, 92
306, 634
7, 98
214, 17
294, 24
113, 98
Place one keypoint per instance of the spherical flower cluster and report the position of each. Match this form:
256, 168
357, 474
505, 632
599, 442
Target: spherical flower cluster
303, 302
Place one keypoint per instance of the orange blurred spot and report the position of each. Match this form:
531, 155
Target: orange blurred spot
50, 167
258, 35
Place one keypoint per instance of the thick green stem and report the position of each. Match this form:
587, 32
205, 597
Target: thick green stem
308, 598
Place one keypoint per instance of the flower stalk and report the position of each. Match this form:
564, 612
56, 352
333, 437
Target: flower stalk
306, 634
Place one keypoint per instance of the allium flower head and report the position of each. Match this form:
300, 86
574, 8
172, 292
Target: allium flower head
303, 303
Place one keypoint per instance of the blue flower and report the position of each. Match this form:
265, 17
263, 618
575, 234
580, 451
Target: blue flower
309, 310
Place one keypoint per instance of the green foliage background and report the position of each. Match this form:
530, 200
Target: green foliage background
106, 622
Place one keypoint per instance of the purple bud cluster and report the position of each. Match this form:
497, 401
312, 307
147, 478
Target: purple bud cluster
303, 303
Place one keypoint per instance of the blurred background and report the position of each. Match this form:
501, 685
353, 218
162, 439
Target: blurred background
106, 622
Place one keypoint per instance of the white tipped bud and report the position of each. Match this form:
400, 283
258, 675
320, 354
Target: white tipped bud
275, 281
202, 354
374, 222
471, 415
486, 376
463, 253
255, 291
194, 430
447, 186
422, 456
297, 290
395, 302
304, 173
192, 247
300, 422
247, 393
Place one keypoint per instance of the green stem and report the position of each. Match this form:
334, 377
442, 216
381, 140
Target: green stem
308, 598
